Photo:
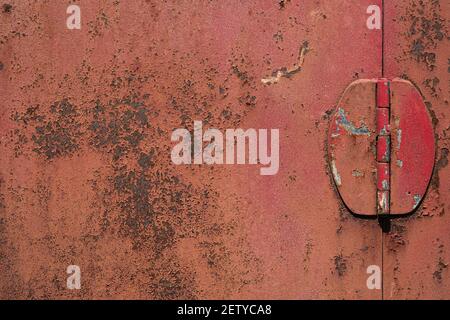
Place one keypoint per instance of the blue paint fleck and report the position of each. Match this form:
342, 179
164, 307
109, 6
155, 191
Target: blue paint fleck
342, 121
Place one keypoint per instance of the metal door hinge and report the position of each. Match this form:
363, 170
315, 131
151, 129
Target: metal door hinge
381, 147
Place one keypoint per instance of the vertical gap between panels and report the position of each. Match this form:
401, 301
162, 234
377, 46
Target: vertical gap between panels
382, 75
382, 38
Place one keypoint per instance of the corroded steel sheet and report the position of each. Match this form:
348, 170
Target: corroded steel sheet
86, 176
416, 252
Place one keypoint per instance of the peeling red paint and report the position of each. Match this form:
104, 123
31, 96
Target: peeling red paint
350, 145
413, 144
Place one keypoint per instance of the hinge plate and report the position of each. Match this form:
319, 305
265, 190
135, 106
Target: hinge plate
381, 147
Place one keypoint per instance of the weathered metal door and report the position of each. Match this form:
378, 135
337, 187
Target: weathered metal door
415, 251
92, 92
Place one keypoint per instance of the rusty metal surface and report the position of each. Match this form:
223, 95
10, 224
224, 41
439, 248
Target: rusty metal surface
416, 250
86, 176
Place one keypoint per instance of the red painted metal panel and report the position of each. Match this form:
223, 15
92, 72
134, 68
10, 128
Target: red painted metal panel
384, 149
412, 148
85, 171
383, 122
416, 255
383, 176
86, 176
383, 93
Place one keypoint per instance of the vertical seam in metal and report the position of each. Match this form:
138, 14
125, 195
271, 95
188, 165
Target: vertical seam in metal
383, 146
382, 38
382, 265
382, 75
383, 156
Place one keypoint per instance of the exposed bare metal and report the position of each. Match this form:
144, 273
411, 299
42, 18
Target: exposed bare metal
287, 73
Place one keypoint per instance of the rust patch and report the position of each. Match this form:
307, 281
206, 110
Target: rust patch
242, 75
171, 281
7, 8
282, 3
147, 229
340, 265
433, 86
426, 29
141, 198
307, 255
396, 237
440, 268
441, 163
443, 159
56, 133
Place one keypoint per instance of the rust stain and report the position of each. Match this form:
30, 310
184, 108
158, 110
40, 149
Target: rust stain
416, 47
440, 268
7, 8
397, 237
340, 264
282, 3
427, 28
55, 133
